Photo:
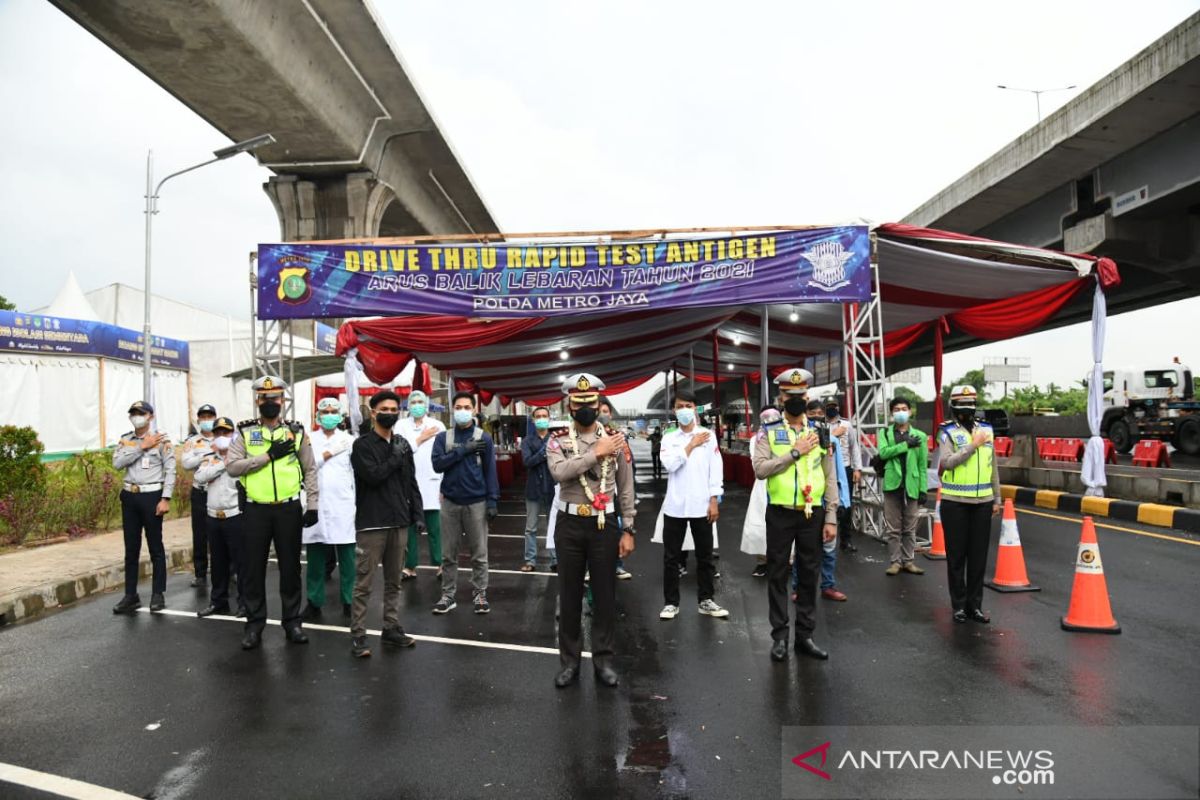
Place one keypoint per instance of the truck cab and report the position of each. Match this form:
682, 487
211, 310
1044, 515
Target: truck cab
1152, 402
1125, 386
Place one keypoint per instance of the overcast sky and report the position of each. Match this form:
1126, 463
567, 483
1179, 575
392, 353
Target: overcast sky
568, 117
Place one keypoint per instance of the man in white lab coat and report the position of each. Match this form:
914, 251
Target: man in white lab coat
691, 457
334, 529
419, 429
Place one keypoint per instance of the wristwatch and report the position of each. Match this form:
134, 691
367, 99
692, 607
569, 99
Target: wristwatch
795, 454
627, 530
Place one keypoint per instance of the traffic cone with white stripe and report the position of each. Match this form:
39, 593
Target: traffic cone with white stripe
1010, 558
1089, 611
937, 547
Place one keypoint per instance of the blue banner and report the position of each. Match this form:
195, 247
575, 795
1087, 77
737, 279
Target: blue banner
37, 333
326, 338
310, 281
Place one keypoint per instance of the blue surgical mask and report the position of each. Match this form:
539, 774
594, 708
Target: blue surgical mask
686, 416
417, 410
541, 424
206, 425
462, 417
330, 421
900, 417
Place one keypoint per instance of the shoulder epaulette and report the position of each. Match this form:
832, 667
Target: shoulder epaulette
556, 432
246, 423
294, 427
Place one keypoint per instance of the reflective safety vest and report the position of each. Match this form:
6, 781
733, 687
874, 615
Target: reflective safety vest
787, 488
280, 479
973, 477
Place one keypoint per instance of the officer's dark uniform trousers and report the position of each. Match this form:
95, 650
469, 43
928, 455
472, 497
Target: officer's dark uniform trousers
200, 531
581, 546
267, 523
137, 513
786, 527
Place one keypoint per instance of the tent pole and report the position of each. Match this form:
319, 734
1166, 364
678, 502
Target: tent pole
692, 368
763, 349
716, 384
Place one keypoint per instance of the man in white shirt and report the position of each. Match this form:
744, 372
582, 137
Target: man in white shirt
691, 457
419, 429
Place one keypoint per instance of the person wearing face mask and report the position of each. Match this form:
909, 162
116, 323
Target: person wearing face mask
148, 460
224, 519
797, 463
419, 429
273, 461
539, 486
695, 485
593, 475
388, 502
904, 451
466, 459
970, 498
333, 534
196, 448
844, 431
829, 590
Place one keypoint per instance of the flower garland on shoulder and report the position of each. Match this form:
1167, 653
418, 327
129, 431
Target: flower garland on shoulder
599, 500
804, 473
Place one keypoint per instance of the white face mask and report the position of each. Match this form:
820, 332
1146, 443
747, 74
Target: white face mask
222, 442
138, 421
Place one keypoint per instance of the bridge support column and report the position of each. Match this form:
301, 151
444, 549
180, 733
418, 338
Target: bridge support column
348, 206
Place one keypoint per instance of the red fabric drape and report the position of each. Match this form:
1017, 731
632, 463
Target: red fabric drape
898, 341
437, 334
1015, 316
609, 389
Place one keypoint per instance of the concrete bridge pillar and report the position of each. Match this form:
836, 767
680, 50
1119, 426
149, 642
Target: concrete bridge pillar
348, 206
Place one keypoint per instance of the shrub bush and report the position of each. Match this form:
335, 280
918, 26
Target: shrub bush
21, 468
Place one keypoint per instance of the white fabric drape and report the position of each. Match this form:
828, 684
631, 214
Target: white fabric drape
1093, 457
350, 379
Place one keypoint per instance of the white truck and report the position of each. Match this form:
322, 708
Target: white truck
1155, 402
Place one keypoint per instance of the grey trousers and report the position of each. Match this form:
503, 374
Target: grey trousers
386, 545
900, 520
471, 522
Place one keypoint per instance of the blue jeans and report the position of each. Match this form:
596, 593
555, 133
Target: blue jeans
533, 508
828, 563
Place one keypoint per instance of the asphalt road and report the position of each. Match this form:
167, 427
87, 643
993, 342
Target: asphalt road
168, 706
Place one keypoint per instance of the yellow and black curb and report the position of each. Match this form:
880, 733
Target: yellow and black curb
1182, 519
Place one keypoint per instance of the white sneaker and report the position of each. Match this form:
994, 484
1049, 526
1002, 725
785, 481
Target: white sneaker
668, 612
711, 609
623, 574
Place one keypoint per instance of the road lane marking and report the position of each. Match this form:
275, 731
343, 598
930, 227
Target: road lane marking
58, 785
467, 566
1099, 524
519, 648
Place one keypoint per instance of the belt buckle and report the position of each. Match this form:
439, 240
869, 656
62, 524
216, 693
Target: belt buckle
220, 515
584, 510
135, 488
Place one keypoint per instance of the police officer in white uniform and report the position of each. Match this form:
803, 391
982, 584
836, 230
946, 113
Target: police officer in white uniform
196, 448
148, 459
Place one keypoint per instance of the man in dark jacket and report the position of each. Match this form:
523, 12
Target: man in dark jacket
539, 486
466, 458
388, 500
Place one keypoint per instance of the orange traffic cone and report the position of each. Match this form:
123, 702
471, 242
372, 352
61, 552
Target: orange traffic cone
1010, 558
937, 548
1089, 611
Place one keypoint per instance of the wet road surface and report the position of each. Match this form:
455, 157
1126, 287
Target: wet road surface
169, 706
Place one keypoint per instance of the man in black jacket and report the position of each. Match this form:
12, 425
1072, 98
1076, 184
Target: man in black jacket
388, 500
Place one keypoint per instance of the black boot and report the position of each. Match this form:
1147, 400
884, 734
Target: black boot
808, 648
157, 603
129, 604
251, 640
779, 650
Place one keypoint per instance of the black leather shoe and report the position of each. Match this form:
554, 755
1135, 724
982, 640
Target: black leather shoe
960, 616
128, 604
975, 616
779, 650
607, 676
311, 612
199, 582
251, 640
157, 603
565, 678
296, 635
806, 647
210, 609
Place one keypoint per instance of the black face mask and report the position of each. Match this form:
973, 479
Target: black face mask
795, 406
966, 418
831, 412
585, 416
269, 409
387, 420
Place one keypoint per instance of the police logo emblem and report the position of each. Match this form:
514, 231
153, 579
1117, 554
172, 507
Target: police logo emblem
781, 436
256, 437
828, 260
294, 288
583, 384
585, 510
797, 377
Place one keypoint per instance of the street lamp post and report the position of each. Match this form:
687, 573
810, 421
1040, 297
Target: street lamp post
1037, 94
152, 191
